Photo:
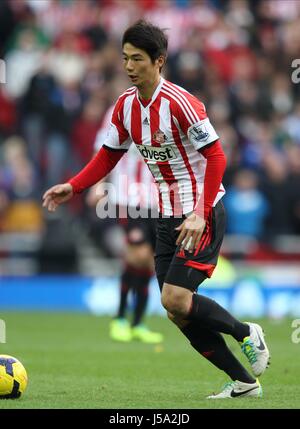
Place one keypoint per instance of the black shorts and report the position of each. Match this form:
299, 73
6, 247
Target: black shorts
140, 230
179, 267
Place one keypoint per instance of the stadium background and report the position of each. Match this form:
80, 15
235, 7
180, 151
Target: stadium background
63, 69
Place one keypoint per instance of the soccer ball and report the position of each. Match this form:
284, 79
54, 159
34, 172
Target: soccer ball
13, 377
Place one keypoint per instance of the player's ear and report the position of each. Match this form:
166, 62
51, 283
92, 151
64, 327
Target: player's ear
160, 61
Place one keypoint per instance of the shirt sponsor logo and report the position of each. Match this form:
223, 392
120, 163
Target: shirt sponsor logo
161, 154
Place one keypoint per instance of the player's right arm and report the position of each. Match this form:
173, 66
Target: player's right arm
116, 144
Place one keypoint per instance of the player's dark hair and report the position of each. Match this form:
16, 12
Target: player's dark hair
148, 37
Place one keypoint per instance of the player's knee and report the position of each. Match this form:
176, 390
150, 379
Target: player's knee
175, 319
171, 317
175, 300
169, 303
178, 321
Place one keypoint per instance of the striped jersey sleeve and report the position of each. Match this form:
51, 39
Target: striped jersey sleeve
117, 137
192, 118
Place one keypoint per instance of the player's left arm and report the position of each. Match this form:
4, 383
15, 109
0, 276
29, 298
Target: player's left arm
206, 141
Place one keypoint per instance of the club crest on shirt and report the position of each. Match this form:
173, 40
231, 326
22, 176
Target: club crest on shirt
159, 137
199, 133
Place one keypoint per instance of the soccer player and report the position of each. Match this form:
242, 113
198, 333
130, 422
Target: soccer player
133, 195
173, 134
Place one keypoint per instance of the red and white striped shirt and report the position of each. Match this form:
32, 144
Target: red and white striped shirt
133, 185
168, 133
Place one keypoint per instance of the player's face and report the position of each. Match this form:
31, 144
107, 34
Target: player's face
139, 67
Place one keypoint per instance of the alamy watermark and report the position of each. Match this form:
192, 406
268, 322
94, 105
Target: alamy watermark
2, 71
296, 333
136, 197
2, 331
296, 73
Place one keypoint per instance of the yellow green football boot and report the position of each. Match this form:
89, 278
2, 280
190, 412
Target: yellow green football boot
120, 330
143, 334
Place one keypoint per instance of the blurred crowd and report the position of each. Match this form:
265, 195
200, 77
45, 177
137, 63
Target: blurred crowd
63, 70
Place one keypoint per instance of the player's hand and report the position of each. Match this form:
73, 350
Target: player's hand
191, 231
57, 195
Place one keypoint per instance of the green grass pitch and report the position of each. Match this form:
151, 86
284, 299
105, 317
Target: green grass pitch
72, 363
